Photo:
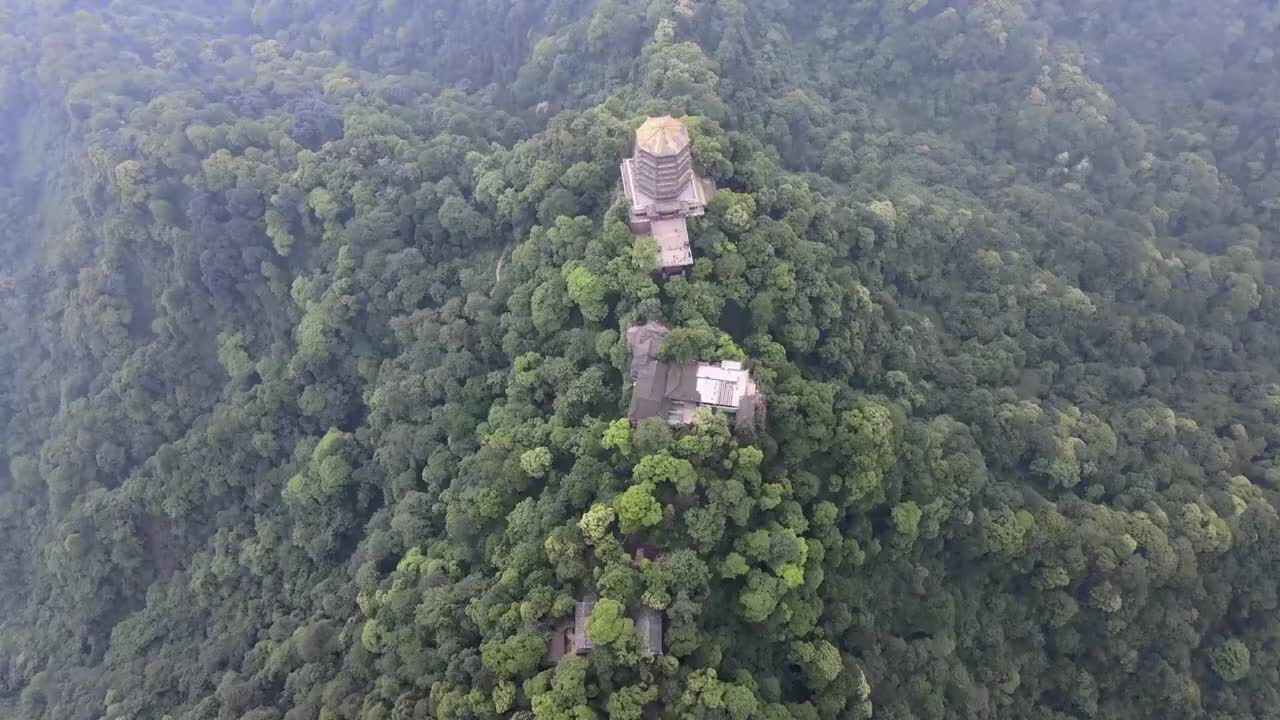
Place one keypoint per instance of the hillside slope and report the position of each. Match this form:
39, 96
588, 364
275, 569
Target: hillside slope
277, 446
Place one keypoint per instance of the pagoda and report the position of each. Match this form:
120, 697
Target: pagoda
663, 190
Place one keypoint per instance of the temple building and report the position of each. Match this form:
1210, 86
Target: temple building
674, 391
649, 626
649, 621
570, 638
663, 190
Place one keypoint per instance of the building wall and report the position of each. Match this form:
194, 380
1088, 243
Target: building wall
663, 177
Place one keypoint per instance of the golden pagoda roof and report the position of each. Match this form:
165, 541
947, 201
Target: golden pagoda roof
663, 135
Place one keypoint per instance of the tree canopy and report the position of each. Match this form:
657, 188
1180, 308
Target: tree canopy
316, 375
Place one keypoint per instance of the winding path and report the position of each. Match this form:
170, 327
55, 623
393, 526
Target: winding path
497, 272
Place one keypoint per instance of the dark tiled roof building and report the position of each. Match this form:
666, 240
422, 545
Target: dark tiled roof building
571, 638
659, 389
649, 626
673, 391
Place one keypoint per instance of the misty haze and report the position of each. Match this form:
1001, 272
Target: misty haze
639, 360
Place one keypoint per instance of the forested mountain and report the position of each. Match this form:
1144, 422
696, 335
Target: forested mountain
312, 329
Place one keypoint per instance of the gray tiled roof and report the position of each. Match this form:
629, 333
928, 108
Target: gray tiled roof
656, 385
649, 626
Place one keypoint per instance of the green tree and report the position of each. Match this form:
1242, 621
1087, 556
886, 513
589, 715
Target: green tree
1230, 661
595, 522
628, 703
515, 656
637, 508
618, 437
588, 292
536, 462
607, 623
906, 520
653, 469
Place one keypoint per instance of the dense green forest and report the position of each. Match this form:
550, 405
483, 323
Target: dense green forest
314, 374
